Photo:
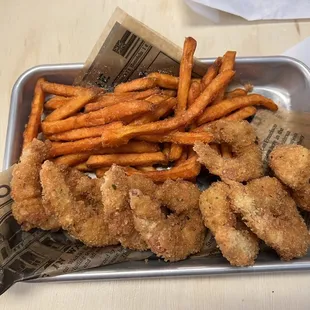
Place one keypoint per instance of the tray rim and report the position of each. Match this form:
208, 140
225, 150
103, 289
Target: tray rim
126, 272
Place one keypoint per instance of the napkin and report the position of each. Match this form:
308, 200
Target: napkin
252, 9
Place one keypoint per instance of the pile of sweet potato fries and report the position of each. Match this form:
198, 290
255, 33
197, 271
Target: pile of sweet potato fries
145, 122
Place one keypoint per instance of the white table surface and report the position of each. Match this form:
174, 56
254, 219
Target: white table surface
55, 31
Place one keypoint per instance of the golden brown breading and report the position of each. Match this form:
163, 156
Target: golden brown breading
236, 242
117, 212
173, 237
269, 211
291, 164
28, 209
246, 163
81, 216
179, 195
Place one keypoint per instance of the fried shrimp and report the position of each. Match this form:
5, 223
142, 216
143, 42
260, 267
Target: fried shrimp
28, 208
246, 163
236, 242
291, 165
117, 212
76, 203
269, 211
178, 196
173, 237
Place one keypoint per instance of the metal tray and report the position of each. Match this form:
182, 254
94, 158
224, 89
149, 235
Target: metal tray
284, 79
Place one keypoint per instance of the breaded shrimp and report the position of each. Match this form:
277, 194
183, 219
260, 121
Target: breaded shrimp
236, 242
269, 211
247, 161
173, 237
28, 208
291, 165
179, 195
117, 212
78, 212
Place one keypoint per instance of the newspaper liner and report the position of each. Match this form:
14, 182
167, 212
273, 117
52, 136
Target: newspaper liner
126, 50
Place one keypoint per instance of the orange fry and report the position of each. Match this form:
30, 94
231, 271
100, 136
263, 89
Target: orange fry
72, 159
146, 168
211, 73
124, 134
93, 146
83, 167
168, 92
239, 115
166, 149
160, 110
65, 90
187, 170
56, 102
97, 161
235, 93
165, 80
72, 106
185, 74
82, 133
194, 93
228, 63
178, 137
100, 117
181, 160
100, 172
229, 105
112, 99
34, 121
134, 85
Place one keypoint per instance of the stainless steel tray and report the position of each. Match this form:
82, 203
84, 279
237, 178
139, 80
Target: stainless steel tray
284, 79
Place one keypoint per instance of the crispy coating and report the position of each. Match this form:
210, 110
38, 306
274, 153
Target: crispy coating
173, 237
247, 161
269, 211
117, 212
179, 195
291, 165
236, 242
79, 212
28, 208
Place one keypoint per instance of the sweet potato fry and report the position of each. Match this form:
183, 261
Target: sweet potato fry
187, 170
182, 159
97, 161
161, 110
166, 149
165, 80
211, 73
168, 92
239, 115
100, 172
124, 134
83, 167
71, 107
72, 159
91, 146
229, 105
145, 168
235, 93
178, 137
82, 133
56, 102
194, 93
134, 85
32, 129
66, 90
100, 117
228, 63
109, 99
185, 74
